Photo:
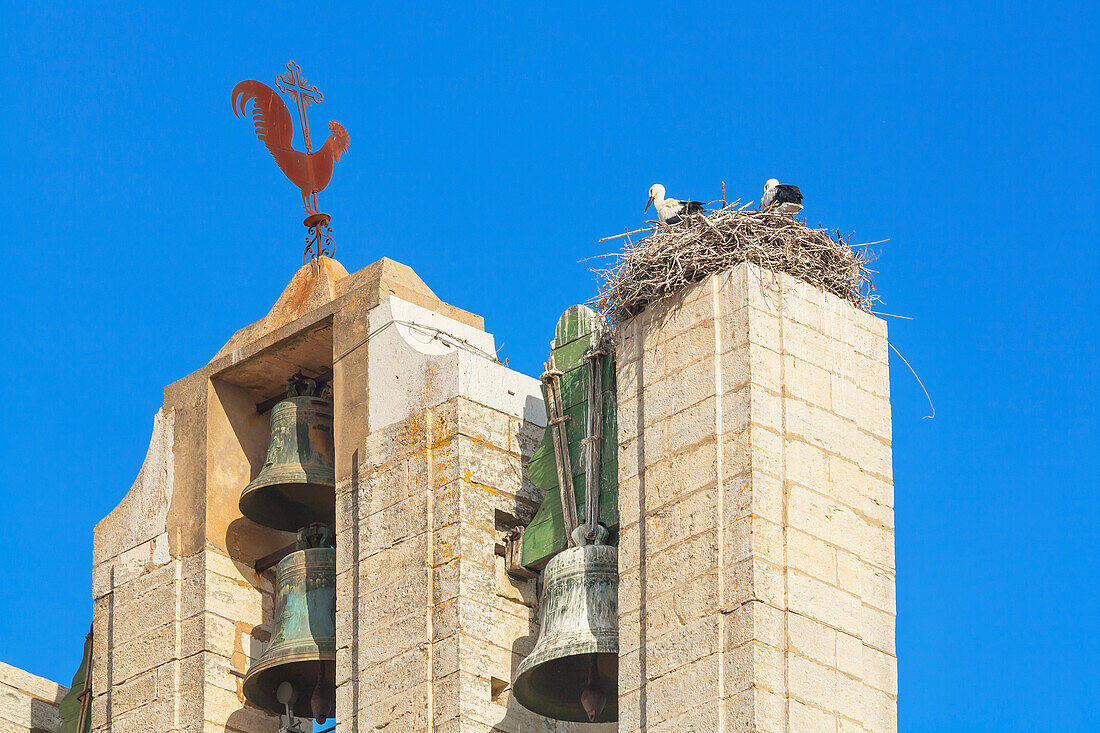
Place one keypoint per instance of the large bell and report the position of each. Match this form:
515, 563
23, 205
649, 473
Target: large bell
573, 671
297, 484
302, 651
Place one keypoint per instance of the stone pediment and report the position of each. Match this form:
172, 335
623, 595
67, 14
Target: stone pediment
317, 284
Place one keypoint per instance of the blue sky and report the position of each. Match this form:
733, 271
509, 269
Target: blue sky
491, 146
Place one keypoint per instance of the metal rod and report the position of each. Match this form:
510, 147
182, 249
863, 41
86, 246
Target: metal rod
274, 558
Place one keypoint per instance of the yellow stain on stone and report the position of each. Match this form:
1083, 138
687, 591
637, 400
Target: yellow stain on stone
469, 479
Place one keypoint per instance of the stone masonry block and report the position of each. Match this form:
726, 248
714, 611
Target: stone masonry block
681, 646
814, 684
818, 600
811, 639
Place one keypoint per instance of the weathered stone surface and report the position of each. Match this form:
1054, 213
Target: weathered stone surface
142, 514
437, 627
756, 500
431, 629
179, 613
314, 286
28, 703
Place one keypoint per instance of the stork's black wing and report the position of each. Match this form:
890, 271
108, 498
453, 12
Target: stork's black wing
786, 194
692, 207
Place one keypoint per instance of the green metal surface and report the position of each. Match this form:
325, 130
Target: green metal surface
303, 648
75, 708
578, 644
297, 484
545, 536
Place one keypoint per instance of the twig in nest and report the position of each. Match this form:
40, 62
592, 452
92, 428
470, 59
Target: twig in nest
625, 234
673, 256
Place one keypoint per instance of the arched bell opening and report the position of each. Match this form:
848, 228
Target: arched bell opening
295, 676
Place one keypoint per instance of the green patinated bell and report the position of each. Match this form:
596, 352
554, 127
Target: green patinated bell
297, 484
303, 648
572, 673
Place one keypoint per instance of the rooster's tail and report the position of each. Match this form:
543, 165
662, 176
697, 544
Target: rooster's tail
269, 114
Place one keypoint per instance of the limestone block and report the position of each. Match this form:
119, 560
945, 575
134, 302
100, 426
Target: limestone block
28, 703
144, 653
157, 714
813, 640
804, 717
135, 692
878, 628
813, 557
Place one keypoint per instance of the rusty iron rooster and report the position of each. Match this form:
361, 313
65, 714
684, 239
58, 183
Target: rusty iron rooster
310, 171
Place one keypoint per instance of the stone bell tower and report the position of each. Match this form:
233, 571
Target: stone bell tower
756, 500
430, 435
753, 518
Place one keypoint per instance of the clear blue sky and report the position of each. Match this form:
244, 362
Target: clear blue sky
491, 146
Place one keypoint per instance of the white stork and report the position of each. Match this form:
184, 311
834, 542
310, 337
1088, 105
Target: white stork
786, 199
670, 211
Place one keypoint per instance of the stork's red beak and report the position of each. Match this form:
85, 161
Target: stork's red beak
647, 205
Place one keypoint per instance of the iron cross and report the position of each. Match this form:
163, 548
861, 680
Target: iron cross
296, 85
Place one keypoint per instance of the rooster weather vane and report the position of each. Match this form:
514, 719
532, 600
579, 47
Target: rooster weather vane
310, 171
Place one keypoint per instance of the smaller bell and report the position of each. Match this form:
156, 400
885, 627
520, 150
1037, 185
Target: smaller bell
296, 674
572, 673
297, 484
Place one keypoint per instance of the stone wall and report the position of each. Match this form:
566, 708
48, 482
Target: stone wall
430, 627
28, 704
178, 611
137, 596
757, 541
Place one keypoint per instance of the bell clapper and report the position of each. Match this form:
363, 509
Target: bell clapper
321, 701
593, 699
286, 694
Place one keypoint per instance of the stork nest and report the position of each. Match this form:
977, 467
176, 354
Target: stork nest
673, 256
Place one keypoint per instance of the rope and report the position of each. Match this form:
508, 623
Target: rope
551, 377
593, 443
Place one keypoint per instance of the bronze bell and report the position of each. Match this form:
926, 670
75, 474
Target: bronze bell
297, 484
573, 671
302, 651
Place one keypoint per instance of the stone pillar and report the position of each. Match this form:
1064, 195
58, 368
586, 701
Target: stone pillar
755, 494
28, 703
429, 627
